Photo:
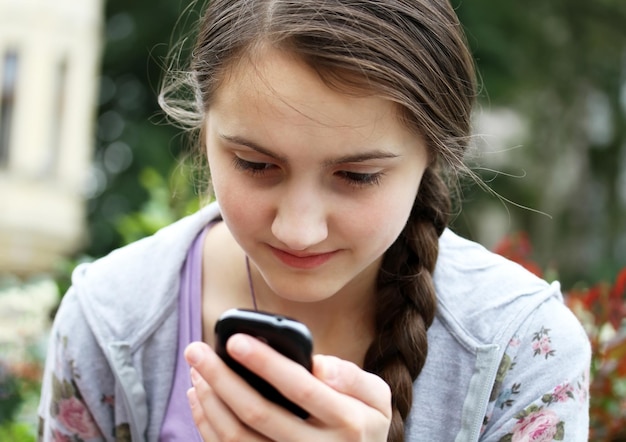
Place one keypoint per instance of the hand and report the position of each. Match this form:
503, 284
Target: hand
344, 402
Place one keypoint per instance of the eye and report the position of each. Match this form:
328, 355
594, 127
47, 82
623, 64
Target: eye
254, 168
361, 179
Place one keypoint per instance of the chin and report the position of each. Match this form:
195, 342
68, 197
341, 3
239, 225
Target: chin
304, 292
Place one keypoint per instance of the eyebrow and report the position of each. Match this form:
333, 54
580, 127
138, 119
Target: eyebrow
353, 158
252, 145
361, 157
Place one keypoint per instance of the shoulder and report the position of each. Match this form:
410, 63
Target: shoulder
493, 315
543, 376
484, 297
125, 292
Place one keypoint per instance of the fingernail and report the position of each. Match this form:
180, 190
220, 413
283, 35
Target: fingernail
191, 397
239, 345
193, 354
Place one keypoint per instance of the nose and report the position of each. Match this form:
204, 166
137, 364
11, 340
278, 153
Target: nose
300, 220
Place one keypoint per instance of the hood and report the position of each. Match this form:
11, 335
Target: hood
128, 293
474, 284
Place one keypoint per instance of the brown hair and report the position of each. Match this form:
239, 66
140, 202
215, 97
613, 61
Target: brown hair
412, 52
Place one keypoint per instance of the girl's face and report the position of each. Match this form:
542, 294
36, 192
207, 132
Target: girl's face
313, 184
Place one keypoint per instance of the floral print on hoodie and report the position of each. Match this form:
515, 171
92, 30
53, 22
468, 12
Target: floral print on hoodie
544, 419
70, 418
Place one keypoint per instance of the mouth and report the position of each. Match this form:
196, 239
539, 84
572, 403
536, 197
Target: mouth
305, 261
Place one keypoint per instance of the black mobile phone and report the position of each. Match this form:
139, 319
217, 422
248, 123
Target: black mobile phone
286, 335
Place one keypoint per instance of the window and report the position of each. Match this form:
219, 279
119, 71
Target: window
57, 120
8, 76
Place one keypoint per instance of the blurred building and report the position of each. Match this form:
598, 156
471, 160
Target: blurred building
49, 60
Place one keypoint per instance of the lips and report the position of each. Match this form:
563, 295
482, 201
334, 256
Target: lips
301, 260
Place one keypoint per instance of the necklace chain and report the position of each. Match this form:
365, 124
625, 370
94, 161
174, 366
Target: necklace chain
251, 285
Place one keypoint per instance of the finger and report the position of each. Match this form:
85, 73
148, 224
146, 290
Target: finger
334, 414
239, 407
323, 401
219, 422
348, 378
199, 417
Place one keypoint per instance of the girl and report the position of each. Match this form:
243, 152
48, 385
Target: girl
330, 128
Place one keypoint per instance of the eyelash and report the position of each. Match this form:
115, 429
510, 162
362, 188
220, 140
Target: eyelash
361, 179
251, 167
354, 179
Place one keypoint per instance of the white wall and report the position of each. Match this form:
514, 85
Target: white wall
57, 44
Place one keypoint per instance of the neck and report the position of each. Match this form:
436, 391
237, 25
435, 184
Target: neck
342, 325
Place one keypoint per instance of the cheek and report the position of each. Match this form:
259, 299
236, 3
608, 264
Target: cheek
233, 201
242, 209
239, 208
379, 222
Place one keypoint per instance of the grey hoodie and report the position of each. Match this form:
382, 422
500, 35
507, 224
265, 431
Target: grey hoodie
507, 360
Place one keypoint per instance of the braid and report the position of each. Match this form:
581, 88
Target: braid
406, 299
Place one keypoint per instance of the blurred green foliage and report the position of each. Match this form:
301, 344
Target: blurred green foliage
19, 389
16, 432
136, 150
10, 397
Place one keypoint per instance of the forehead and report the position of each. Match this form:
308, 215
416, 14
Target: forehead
279, 81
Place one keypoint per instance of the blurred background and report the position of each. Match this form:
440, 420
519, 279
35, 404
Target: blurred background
88, 162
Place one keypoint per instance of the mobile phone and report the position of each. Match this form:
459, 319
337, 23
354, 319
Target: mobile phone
286, 335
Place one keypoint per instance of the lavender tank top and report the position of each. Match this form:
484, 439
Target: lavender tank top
178, 424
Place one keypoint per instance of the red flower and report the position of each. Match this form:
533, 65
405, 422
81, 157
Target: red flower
589, 298
619, 289
517, 248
